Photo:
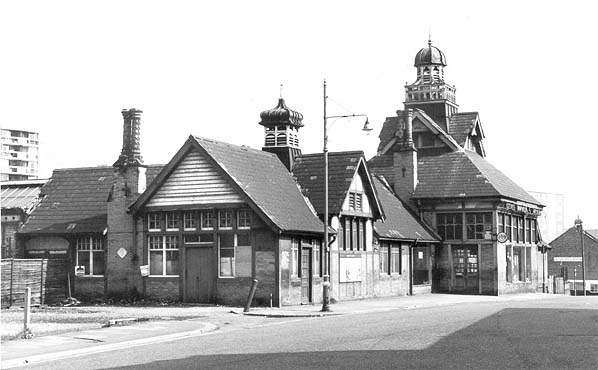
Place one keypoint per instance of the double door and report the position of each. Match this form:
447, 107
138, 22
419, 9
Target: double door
466, 278
200, 275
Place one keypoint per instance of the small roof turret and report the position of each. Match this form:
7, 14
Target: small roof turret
281, 115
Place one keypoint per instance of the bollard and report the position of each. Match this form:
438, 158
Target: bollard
27, 318
251, 294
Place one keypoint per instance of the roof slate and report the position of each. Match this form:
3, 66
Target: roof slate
461, 126
309, 172
465, 174
74, 202
267, 182
400, 223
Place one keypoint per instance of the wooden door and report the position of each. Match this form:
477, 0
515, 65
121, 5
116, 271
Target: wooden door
199, 275
306, 275
466, 269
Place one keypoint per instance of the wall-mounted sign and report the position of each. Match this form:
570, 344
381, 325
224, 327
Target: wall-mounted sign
350, 269
122, 252
501, 237
144, 269
567, 259
79, 270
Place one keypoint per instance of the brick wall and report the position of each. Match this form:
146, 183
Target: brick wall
568, 244
162, 288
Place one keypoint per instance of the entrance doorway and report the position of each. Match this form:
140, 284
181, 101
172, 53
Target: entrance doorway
199, 275
465, 269
306, 275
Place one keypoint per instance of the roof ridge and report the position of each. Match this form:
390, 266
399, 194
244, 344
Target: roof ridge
244, 147
83, 168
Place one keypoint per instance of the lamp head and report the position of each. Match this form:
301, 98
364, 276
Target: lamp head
366, 127
578, 223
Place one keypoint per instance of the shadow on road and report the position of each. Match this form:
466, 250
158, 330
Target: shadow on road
514, 338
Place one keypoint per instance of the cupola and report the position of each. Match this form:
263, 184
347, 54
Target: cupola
281, 129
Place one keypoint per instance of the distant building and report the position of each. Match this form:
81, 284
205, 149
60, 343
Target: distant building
552, 220
565, 259
19, 156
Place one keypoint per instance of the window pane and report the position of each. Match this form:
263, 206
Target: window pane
395, 259
207, 220
384, 258
226, 266
172, 262
226, 219
84, 261
98, 263
189, 221
155, 263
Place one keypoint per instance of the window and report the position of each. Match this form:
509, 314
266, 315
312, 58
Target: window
533, 231
225, 220
244, 219
163, 255
528, 230
173, 221
509, 251
207, 220
384, 260
294, 268
355, 201
317, 259
226, 251
90, 254
508, 227
189, 221
519, 264
450, 226
478, 224
153, 222
395, 259
593, 288
354, 234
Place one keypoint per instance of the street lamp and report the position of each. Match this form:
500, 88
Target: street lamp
579, 227
326, 262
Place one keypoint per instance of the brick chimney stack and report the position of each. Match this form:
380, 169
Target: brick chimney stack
131, 150
405, 159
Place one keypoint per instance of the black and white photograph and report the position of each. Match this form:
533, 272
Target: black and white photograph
298, 185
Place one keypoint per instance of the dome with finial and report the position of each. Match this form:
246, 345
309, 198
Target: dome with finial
281, 115
430, 55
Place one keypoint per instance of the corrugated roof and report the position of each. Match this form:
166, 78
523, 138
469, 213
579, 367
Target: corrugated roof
465, 174
400, 223
21, 194
74, 202
461, 125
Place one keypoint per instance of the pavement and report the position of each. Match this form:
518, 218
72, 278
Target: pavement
139, 331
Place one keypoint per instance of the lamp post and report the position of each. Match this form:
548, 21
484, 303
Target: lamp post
326, 262
579, 226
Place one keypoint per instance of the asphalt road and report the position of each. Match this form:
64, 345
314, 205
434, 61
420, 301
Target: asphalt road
537, 334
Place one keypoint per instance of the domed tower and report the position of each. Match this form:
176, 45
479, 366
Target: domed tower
429, 92
281, 128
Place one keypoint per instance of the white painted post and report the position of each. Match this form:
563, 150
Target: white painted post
27, 321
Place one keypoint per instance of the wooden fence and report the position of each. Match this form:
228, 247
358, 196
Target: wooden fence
47, 279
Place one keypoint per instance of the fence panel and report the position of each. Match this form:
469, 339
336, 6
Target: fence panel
45, 277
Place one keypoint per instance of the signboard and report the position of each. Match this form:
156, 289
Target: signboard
122, 252
501, 237
144, 270
567, 259
79, 270
350, 269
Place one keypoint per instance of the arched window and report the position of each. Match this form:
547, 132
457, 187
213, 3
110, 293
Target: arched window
270, 140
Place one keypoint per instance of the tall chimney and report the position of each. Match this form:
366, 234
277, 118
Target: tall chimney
405, 159
131, 150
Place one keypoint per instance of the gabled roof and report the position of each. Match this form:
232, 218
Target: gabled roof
71, 199
259, 177
400, 222
594, 233
342, 167
21, 194
466, 124
465, 174
388, 134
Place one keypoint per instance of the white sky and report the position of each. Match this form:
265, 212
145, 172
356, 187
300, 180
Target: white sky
209, 69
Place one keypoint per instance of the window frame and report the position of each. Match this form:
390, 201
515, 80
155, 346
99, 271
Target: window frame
244, 219
163, 251
91, 242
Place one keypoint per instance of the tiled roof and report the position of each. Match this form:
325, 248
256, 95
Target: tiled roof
257, 175
594, 233
74, 202
461, 125
309, 172
21, 194
382, 165
388, 131
267, 182
465, 174
400, 223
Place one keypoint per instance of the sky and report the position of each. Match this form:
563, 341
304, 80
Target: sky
209, 68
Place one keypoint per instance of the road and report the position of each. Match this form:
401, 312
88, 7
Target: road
536, 334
